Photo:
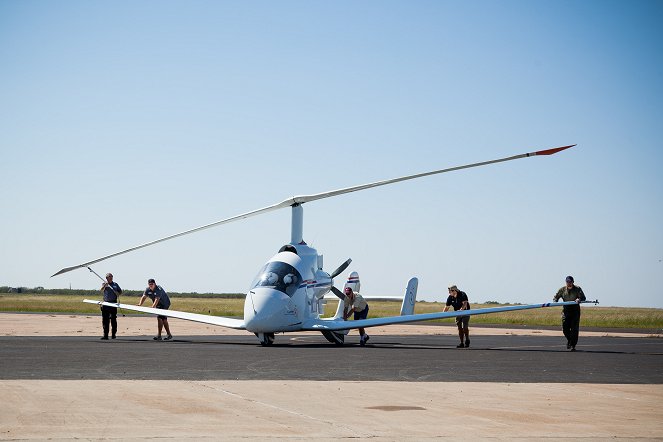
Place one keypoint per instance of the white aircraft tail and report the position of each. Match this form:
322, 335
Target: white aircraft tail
410, 298
353, 282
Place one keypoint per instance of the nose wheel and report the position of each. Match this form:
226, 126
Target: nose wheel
266, 339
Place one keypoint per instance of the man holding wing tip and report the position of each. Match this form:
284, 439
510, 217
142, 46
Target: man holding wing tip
160, 300
570, 313
459, 301
111, 291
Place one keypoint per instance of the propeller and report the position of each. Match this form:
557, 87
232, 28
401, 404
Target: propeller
340, 269
337, 272
338, 293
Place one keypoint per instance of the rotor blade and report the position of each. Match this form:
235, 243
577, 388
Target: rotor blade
307, 198
338, 293
342, 267
280, 205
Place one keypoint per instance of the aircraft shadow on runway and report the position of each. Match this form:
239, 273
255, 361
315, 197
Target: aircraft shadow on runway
315, 343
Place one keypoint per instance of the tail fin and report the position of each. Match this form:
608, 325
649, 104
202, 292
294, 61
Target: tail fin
407, 308
353, 282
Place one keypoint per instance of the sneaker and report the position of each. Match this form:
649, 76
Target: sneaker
461, 345
104, 338
361, 341
366, 337
157, 338
168, 338
573, 348
113, 337
568, 345
467, 343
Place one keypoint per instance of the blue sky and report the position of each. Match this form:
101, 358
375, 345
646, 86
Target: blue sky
123, 122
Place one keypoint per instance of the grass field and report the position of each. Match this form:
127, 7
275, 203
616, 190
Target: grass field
592, 316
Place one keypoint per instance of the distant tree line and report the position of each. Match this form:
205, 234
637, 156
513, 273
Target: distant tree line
83, 292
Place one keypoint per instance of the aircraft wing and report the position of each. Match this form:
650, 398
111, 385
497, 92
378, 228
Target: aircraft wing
205, 319
336, 324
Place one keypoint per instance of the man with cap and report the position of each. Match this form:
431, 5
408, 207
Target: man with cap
571, 313
459, 301
111, 292
161, 300
355, 303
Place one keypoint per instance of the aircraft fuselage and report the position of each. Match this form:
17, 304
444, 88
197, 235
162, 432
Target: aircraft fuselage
287, 291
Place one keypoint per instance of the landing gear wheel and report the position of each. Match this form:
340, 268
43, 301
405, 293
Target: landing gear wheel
334, 337
266, 339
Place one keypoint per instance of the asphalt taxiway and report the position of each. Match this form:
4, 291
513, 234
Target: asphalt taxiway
525, 359
58, 381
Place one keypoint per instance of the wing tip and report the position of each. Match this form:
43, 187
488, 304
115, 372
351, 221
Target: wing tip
554, 150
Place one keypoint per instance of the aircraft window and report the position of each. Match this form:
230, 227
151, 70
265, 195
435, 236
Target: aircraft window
280, 276
288, 248
269, 278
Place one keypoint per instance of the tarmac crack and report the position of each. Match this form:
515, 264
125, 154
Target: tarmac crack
331, 423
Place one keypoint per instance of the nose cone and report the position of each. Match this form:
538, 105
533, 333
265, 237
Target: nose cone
265, 310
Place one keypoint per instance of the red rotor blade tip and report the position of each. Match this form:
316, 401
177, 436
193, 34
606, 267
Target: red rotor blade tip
553, 151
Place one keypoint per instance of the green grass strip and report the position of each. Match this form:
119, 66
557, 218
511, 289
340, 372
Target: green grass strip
592, 316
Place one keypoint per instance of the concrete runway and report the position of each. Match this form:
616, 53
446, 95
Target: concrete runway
517, 359
58, 381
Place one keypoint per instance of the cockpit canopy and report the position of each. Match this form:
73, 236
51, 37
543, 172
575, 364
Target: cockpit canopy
280, 276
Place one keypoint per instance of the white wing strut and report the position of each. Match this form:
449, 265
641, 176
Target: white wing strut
295, 200
205, 319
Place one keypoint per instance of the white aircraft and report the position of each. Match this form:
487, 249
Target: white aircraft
287, 293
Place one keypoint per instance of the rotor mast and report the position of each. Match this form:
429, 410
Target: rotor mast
297, 224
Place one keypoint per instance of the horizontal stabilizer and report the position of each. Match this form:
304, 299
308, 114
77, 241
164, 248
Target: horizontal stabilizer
205, 319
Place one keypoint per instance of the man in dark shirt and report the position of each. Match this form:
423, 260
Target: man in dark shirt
161, 300
459, 301
571, 313
109, 314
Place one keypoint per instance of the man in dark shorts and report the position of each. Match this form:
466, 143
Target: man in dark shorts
161, 300
109, 314
458, 300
